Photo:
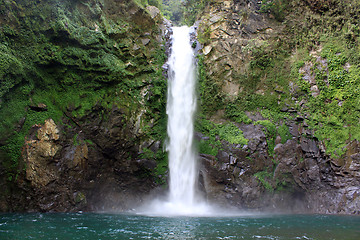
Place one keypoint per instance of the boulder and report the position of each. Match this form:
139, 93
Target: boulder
39, 154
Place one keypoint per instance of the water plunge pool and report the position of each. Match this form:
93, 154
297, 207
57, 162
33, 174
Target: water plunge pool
121, 226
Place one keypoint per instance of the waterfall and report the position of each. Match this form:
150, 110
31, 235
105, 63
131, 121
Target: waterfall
181, 105
182, 199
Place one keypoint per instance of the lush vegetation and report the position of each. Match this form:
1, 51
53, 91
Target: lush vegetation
71, 63
335, 111
216, 133
334, 35
273, 81
74, 61
180, 12
275, 7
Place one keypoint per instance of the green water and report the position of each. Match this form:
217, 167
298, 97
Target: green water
118, 226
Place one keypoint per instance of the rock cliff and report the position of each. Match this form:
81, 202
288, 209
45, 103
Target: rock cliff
82, 103
265, 69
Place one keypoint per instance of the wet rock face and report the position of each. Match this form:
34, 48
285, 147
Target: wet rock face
228, 29
67, 172
297, 174
40, 152
303, 179
88, 160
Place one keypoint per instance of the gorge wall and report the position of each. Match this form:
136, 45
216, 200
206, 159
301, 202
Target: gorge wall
82, 104
279, 89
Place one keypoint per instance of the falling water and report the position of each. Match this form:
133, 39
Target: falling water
181, 106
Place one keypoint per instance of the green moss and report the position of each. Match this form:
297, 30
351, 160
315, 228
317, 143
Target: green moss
275, 116
335, 112
273, 66
274, 128
71, 57
75, 140
192, 10
162, 166
204, 35
271, 184
233, 112
11, 70
216, 133
270, 134
284, 133
276, 7
207, 147
211, 98
263, 177
232, 134
206, 127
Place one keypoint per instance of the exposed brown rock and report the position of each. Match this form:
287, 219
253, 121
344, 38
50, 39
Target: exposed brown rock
39, 155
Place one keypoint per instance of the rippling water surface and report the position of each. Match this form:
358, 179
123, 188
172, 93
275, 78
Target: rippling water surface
119, 226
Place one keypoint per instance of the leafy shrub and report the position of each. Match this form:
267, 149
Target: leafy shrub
263, 179
232, 134
275, 7
233, 112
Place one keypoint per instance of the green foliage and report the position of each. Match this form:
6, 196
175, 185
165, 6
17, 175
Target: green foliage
75, 140
211, 97
182, 12
263, 178
284, 133
145, 3
275, 7
156, 3
161, 158
204, 35
233, 112
265, 88
172, 10
274, 116
162, 167
274, 128
72, 59
232, 134
206, 147
12, 151
192, 10
270, 134
335, 112
275, 62
218, 132
11, 113
206, 127
265, 85
270, 126
271, 184
11, 70
262, 57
